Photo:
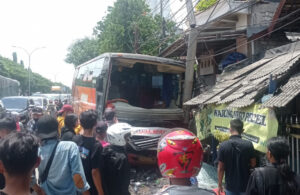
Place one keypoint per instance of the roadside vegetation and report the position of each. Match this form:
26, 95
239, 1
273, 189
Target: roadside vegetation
128, 27
13, 70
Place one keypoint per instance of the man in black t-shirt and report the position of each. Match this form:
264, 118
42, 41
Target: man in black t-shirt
236, 157
90, 151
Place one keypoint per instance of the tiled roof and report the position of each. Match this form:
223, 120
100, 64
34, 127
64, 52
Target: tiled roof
288, 92
243, 87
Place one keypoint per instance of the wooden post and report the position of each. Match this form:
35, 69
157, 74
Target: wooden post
191, 54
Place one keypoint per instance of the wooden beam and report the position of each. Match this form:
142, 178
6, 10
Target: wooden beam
229, 20
276, 16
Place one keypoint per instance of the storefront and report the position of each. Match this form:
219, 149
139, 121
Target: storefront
265, 95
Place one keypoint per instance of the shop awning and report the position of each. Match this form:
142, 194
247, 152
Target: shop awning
245, 86
288, 92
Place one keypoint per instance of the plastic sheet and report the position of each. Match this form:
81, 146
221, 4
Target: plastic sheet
208, 177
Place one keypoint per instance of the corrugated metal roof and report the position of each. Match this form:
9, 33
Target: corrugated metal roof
211, 95
247, 69
243, 87
289, 91
247, 100
277, 66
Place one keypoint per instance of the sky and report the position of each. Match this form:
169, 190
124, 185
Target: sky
53, 24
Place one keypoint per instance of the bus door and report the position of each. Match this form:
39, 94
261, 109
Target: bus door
102, 83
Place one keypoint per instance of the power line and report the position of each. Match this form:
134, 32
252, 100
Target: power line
158, 6
166, 38
241, 7
172, 16
217, 54
252, 25
279, 20
154, 34
153, 38
155, 8
204, 26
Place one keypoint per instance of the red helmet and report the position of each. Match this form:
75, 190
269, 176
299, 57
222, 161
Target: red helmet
179, 154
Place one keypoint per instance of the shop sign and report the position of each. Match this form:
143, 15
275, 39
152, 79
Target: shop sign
259, 124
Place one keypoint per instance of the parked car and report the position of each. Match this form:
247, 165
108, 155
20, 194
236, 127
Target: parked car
54, 96
19, 104
2, 110
41, 102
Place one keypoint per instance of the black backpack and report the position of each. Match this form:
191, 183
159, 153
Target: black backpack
116, 170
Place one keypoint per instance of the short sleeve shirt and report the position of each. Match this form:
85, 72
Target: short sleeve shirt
66, 163
91, 155
236, 154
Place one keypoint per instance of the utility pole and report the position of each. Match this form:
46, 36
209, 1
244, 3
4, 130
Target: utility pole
163, 33
190, 57
191, 53
29, 63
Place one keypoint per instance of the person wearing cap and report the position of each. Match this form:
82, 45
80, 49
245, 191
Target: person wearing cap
179, 157
62, 113
101, 135
36, 114
66, 173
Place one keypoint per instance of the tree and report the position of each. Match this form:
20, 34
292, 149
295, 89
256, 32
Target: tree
82, 50
15, 57
22, 63
128, 27
12, 70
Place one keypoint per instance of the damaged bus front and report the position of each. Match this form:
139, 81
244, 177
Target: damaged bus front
146, 92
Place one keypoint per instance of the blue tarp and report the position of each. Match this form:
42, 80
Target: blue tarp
232, 58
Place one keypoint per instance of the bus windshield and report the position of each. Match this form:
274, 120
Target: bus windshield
133, 80
143, 86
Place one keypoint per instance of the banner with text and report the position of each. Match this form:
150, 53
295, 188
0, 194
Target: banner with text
259, 124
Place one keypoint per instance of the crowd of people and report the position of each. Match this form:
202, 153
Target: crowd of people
72, 155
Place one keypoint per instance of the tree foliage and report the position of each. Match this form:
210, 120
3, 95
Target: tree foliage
128, 27
13, 70
205, 4
82, 50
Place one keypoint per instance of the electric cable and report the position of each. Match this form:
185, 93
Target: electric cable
164, 40
241, 7
253, 25
217, 54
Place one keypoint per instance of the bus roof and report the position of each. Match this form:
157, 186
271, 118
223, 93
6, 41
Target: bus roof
134, 58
